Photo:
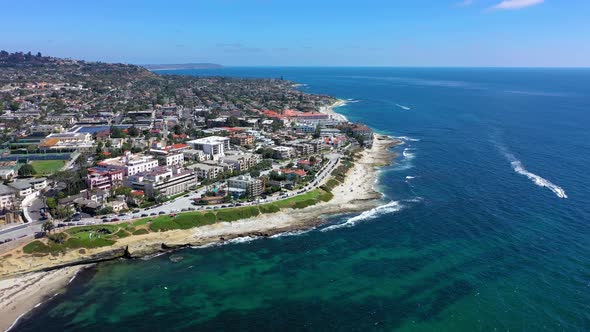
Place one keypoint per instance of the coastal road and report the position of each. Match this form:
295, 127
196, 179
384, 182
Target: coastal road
26, 231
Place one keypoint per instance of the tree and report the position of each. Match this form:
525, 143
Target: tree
318, 132
123, 191
133, 131
26, 170
117, 132
14, 106
177, 129
47, 226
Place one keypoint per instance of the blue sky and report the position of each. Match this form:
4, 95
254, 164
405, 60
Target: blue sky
305, 32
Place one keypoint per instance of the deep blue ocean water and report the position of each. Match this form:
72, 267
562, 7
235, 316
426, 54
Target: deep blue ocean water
475, 234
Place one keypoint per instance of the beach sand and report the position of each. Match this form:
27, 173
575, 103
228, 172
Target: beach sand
21, 294
23, 288
330, 110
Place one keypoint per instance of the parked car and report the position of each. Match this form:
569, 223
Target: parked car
161, 212
115, 219
191, 209
153, 214
136, 211
143, 215
103, 217
39, 235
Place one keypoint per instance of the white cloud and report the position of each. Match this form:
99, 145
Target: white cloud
517, 4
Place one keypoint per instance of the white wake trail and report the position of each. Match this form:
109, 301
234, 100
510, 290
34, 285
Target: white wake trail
536, 179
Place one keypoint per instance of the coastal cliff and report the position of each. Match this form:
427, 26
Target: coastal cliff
355, 194
28, 279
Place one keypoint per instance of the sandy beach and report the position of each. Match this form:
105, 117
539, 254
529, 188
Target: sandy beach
330, 110
23, 287
21, 294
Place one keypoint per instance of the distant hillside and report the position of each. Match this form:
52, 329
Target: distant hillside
183, 66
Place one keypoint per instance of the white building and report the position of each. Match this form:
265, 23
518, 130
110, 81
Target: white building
205, 171
67, 140
130, 164
176, 159
251, 186
215, 146
283, 152
7, 197
164, 181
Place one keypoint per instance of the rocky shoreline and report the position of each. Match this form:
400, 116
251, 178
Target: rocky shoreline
355, 194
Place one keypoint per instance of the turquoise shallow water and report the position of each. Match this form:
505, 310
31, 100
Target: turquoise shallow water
473, 234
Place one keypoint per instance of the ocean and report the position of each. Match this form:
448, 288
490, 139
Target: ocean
485, 223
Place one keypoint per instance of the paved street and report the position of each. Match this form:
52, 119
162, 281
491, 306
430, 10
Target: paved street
26, 231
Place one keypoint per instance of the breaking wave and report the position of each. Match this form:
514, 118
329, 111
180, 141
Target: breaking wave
292, 233
519, 168
407, 139
408, 154
390, 207
405, 108
241, 239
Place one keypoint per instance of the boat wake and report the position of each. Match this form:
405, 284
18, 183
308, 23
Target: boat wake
518, 167
390, 207
405, 108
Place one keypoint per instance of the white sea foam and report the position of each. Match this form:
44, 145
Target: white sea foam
408, 154
405, 108
536, 179
409, 177
292, 233
241, 239
407, 139
390, 207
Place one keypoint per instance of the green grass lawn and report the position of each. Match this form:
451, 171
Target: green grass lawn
95, 236
47, 166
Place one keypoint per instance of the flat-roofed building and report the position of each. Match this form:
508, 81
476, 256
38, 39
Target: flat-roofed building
130, 164
244, 161
67, 140
163, 181
7, 197
104, 178
283, 152
252, 186
205, 171
215, 146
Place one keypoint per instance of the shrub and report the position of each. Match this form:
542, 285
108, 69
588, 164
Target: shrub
269, 208
122, 233
304, 204
57, 237
141, 231
327, 196
36, 246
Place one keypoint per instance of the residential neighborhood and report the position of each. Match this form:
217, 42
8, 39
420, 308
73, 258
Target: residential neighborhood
124, 143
